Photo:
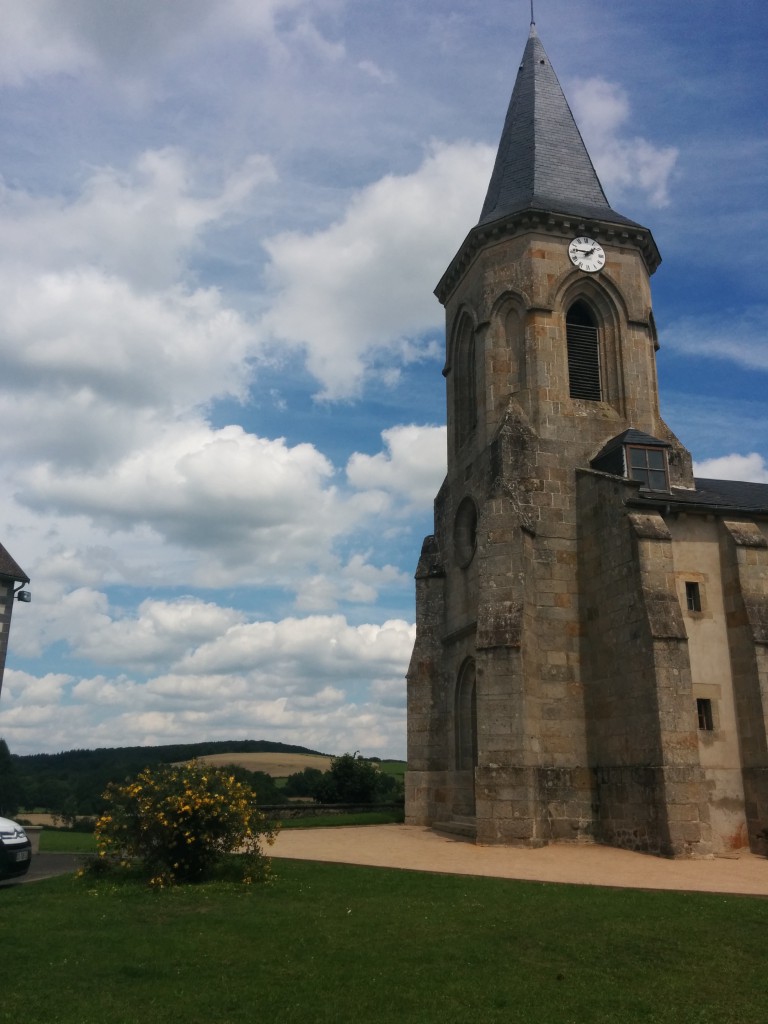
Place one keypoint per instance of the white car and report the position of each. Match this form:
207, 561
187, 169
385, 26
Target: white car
15, 849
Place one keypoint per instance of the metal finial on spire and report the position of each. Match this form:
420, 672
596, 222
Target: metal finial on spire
533, 20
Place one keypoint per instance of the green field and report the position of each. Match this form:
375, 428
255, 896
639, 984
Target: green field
331, 944
396, 768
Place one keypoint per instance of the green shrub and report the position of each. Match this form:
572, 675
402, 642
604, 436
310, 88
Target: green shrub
177, 822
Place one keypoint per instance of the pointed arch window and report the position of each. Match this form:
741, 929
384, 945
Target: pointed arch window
466, 717
465, 384
583, 352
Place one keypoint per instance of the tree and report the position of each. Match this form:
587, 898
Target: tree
10, 784
303, 783
353, 779
261, 783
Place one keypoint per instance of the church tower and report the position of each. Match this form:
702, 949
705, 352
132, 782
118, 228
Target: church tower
550, 694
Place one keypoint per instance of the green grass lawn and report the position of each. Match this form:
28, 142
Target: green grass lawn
331, 944
330, 820
66, 842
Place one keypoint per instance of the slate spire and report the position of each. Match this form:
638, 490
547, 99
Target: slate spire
542, 162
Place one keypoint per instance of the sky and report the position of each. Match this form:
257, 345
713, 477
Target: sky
221, 223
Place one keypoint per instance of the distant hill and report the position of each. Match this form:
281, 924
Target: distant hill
162, 754
71, 782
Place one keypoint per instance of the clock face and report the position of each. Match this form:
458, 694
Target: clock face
586, 254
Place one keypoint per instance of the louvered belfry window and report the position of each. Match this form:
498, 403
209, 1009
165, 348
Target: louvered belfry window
583, 353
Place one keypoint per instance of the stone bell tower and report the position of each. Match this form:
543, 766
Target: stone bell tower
519, 729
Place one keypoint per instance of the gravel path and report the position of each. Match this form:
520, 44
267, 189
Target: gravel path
420, 849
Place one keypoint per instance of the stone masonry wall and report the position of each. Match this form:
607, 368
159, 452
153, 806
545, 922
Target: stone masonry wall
744, 560
6, 610
650, 789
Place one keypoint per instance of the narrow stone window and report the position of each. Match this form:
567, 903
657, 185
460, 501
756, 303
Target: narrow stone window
583, 353
704, 713
465, 532
465, 383
466, 717
693, 597
649, 466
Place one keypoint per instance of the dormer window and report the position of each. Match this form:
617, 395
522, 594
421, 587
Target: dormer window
637, 456
648, 465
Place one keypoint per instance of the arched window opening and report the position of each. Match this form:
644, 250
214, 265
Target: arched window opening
465, 532
466, 717
583, 353
465, 387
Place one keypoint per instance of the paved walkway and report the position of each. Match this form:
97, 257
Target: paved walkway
47, 865
416, 848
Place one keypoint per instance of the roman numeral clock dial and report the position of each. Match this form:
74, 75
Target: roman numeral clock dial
586, 254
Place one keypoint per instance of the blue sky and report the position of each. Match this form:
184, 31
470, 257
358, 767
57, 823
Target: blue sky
221, 222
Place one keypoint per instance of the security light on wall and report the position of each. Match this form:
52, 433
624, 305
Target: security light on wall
24, 596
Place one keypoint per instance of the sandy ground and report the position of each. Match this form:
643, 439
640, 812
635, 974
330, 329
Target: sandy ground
420, 849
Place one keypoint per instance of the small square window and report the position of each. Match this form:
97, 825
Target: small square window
704, 713
693, 597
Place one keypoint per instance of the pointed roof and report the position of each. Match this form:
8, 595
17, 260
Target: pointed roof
10, 568
542, 162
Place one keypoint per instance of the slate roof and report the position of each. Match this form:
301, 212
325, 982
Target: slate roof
734, 496
10, 568
542, 162
631, 436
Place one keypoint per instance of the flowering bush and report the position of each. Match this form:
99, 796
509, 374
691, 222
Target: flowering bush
179, 821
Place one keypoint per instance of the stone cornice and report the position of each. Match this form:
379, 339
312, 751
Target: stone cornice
545, 222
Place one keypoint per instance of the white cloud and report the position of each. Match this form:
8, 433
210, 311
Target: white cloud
188, 480
109, 368
35, 43
32, 690
752, 467
102, 337
735, 336
292, 655
82, 340
334, 685
139, 223
411, 469
306, 33
360, 291
623, 163
202, 508
371, 68
253, 509
357, 582
99, 690
57, 615
44, 37
158, 632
